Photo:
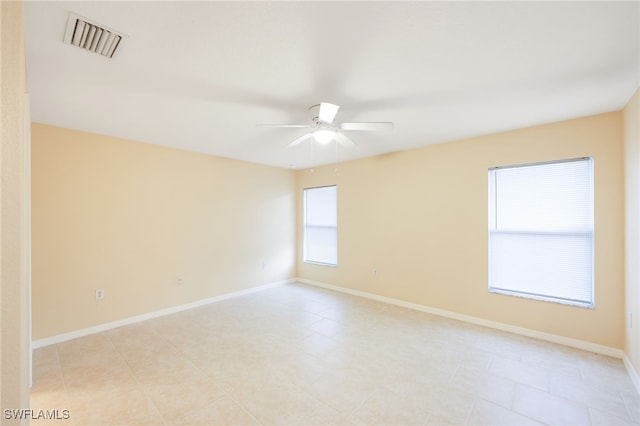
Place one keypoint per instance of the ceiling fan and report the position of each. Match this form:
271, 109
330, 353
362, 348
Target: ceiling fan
324, 130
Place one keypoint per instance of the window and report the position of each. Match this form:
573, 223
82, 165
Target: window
321, 225
541, 231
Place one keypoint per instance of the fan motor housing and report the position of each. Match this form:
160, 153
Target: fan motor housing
314, 112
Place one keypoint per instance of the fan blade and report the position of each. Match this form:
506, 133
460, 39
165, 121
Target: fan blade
284, 125
300, 139
341, 138
366, 126
327, 112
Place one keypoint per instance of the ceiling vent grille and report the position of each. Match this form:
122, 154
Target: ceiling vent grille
93, 37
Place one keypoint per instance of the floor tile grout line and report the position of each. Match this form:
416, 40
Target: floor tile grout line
138, 384
626, 406
64, 382
509, 409
473, 406
225, 391
564, 399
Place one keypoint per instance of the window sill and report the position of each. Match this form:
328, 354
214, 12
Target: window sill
331, 265
543, 298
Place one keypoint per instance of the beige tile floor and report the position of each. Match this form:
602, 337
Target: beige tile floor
301, 355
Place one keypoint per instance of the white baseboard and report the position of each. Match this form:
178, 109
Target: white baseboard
635, 378
150, 315
574, 343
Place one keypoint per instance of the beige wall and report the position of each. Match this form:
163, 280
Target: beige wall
14, 343
419, 218
632, 220
130, 217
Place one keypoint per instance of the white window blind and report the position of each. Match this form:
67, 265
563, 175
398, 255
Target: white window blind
321, 225
541, 231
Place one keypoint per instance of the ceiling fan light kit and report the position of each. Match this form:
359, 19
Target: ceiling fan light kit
326, 112
324, 130
323, 136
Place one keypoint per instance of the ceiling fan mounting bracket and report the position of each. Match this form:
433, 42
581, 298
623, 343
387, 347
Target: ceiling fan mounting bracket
314, 112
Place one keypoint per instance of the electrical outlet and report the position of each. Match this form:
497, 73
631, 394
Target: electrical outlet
100, 294
375, 272
179, 280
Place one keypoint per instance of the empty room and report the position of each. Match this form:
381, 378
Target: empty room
320, 213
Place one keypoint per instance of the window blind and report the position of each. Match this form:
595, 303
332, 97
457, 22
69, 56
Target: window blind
320, 225
541, 231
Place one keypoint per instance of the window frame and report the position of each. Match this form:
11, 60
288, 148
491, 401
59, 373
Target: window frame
305, 226
590, 233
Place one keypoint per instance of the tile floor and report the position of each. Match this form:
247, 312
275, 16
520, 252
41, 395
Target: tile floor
301, 355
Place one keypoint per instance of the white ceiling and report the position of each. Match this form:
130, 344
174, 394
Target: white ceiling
199, 76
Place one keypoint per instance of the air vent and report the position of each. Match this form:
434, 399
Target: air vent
93, 37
